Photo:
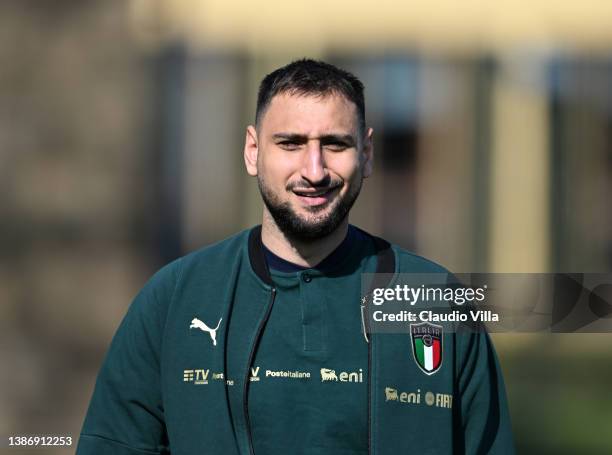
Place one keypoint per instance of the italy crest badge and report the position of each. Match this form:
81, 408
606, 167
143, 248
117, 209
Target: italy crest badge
427, 346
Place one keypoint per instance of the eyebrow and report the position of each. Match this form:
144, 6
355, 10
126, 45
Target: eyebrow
327, 138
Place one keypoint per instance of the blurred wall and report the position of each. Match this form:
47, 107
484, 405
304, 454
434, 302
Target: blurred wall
77, 202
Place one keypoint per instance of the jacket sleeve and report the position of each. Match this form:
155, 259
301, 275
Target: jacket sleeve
481, 398
126, 412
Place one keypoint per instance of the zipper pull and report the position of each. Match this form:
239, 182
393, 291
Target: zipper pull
364, 302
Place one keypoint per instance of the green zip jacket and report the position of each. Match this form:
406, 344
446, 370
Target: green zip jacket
144, 401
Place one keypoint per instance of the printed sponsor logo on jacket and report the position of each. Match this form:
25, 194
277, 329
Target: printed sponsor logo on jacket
437, 400
197, 376
329, 375
200, 376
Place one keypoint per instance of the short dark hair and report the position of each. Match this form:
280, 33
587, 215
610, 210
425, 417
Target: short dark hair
311, 77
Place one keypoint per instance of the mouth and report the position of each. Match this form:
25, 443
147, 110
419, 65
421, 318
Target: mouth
316, 196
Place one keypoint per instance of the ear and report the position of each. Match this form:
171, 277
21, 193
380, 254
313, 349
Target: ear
251, 150
368, 153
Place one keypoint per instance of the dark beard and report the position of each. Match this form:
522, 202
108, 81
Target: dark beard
297, 228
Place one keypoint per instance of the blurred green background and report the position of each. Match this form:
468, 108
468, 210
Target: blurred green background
121, 133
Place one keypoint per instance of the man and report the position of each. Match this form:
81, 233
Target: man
256, 345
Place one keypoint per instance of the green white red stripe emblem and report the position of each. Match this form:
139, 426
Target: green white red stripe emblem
427, 346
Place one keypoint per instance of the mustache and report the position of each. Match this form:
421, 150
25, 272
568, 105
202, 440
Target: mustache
327, 183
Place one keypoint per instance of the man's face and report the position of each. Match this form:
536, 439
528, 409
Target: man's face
309, 160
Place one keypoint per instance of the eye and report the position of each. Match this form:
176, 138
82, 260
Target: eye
336, 146
288, 145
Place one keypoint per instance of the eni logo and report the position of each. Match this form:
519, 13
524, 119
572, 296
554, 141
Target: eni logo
391, 394
432, 399
344, 376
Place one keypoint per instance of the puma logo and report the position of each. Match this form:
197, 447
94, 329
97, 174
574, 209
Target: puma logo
197, 324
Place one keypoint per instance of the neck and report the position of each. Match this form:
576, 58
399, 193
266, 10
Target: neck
305, 253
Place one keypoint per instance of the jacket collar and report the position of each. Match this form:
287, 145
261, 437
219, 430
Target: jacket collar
385, 258
257, 256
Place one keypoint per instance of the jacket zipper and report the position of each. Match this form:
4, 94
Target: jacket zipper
248, 374
366, 332
369, 398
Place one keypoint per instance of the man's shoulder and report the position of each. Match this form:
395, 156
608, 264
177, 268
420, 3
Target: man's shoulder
210, 258
409, 262
406, 261
226, 250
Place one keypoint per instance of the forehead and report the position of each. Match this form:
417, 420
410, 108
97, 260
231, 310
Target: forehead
310, 114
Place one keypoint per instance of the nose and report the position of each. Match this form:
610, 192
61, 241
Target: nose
313, 168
